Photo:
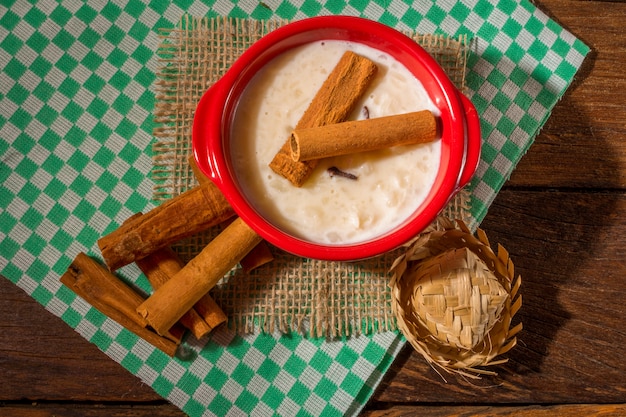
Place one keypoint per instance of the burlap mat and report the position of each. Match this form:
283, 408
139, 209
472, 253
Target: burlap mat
318, 298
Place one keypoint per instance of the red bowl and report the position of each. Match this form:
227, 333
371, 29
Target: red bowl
460, 129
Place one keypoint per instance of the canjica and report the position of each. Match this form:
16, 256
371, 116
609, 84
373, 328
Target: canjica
382, 189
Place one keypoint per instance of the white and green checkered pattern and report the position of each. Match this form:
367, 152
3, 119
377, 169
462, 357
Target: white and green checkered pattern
76, 105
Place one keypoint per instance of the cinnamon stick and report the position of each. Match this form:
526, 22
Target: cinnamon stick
107, 293
184, 215
363, 135
159, 267
260, 254
167, 304
333, 103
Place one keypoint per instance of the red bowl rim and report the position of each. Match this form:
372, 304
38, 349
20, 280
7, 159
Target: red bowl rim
211, 125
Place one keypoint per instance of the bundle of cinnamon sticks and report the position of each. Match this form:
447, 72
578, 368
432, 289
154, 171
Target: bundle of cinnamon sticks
145, 239
180, 298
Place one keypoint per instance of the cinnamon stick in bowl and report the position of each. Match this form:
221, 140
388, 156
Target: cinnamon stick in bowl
333, 103
363, 135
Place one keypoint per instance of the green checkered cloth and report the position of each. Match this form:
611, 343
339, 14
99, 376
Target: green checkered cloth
76, 125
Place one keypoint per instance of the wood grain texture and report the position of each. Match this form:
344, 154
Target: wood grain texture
588, 410
562, 216
82, 410
161, 410
44, 359
569, 249
583, 144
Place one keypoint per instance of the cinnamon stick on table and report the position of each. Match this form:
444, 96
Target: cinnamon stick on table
363, 135
333, 103
191, 212
168, 303
159, 267
260, 254
107, 293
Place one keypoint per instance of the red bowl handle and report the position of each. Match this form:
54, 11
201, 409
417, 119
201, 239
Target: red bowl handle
203, 145
474, 143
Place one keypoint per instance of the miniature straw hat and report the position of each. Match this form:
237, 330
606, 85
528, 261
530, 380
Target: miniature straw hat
454, 299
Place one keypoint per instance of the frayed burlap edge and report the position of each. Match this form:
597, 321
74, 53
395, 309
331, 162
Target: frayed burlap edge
317, 298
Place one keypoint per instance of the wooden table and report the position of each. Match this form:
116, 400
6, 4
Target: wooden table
562, 216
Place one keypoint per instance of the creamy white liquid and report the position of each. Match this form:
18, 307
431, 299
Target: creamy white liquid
391, 183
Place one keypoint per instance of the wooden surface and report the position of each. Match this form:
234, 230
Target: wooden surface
562, 216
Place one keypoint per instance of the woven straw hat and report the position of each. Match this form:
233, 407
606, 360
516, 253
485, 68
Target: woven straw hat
454, 299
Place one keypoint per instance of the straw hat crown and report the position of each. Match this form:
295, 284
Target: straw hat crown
454, 299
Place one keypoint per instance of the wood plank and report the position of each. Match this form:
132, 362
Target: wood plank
166, 410
583, 144
569, 249
96, 410
589, 410
45, 359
